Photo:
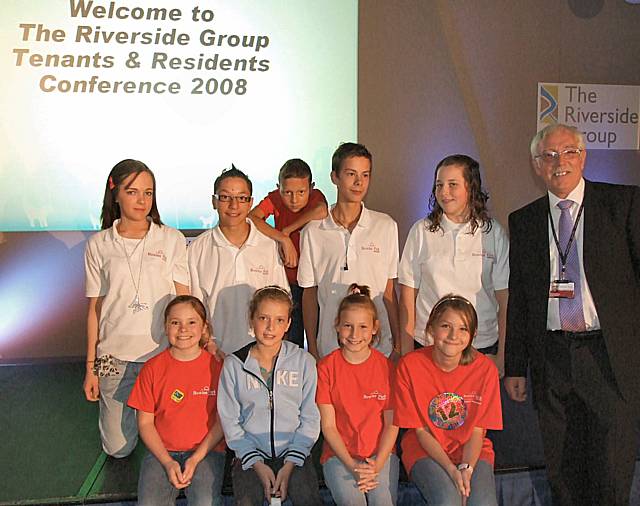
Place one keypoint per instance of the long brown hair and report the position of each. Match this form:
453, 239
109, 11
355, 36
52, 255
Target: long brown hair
121, 171
478, 213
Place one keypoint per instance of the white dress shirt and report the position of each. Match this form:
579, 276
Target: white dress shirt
588, 306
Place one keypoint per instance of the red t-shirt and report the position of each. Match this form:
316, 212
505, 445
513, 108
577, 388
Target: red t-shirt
359, 393
450, 404
182, 396
272, 204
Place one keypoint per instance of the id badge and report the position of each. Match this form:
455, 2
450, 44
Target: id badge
561, 289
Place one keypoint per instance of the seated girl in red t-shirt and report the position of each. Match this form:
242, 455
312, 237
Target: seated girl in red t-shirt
176, 396
449, 395
354, 398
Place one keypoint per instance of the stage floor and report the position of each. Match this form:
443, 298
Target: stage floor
50, 448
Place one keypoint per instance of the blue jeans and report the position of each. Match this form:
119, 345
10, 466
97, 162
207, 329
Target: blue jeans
154, 488
344, 488
118, 423
438, 489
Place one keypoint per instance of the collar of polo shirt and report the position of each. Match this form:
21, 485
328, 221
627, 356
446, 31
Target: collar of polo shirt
221, 241
329, 222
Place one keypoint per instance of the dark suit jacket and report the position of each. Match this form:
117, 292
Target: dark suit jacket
611, 256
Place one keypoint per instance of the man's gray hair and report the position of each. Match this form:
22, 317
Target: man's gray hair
548, 130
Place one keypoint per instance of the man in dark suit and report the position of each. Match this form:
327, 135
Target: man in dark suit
574, 318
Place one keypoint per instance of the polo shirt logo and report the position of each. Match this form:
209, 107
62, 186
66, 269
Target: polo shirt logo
375, 395
205, 390
370, 247
484, 253
260, 269
473, 398
177, 396
158, 254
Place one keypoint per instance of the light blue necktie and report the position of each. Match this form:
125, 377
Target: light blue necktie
571, 313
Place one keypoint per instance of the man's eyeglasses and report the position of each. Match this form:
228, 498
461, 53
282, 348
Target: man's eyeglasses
552, 156
242, 199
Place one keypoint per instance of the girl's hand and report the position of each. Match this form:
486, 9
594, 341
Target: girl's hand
282, 480
267, 478
458, 481
175, 475
366, 475
190, 468
466, 481
91, 386
377, 466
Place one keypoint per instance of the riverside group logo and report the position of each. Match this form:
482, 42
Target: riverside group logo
607, 115
548, 104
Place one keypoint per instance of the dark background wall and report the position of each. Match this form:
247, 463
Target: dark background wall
444, 76
436, 77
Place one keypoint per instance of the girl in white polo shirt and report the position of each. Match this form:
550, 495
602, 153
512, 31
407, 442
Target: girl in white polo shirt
133, 267
457, 248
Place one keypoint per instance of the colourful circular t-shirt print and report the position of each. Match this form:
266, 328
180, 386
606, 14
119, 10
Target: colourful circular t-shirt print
447, 411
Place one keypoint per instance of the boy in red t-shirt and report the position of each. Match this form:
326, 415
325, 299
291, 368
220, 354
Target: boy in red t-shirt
293, 204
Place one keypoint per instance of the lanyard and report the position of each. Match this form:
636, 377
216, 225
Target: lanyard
564, 255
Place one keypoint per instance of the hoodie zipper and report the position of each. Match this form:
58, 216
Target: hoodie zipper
271, 410
273, 443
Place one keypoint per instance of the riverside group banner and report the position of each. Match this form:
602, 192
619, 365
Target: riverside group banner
606, 114
187, 86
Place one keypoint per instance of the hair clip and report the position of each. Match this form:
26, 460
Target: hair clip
448, 298
273, 287
355, 291
112, 185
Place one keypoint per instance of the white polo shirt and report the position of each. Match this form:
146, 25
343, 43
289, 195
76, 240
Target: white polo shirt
123, 334
225, 277
331, 258
452, 260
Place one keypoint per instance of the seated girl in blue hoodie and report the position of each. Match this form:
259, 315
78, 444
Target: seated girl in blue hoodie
266, 404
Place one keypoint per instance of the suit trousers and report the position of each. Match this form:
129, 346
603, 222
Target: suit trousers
589, 431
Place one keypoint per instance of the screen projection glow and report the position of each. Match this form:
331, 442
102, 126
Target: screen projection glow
187, 87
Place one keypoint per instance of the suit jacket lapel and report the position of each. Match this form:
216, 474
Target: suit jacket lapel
592, 228
540, 241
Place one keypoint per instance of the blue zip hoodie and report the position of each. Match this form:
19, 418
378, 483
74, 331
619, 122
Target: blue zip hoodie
261, 423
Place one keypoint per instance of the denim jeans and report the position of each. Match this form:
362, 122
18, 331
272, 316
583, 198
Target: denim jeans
118, 424
438, 489
344, 488
302, 489
154, 488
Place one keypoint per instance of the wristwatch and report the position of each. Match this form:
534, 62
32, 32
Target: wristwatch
464, 465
